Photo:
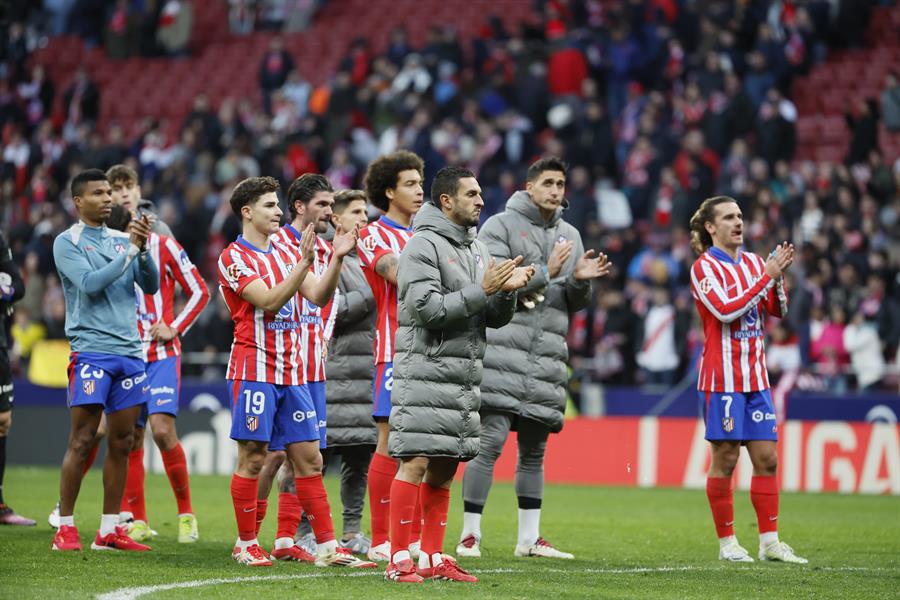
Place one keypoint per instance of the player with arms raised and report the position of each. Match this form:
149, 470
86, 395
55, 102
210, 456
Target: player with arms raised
730, 286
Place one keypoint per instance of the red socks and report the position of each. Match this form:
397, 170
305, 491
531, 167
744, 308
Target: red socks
403, 505
382, 471
416, 533
133, 498
314, 500
243, 495
721, 501
288, 515
262, 506
764, 496
175, 464
435, 506
90, 459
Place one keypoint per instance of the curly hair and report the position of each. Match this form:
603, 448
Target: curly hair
700, 238
383, 173
304, 188
249, 191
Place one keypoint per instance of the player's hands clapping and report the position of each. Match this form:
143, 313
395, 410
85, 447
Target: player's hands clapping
558, 257
590, 266
779, 260
497, 274
139, 231
307, 246
519, 278
344, 242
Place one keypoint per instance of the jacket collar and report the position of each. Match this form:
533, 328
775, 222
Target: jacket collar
431, 218
522, 203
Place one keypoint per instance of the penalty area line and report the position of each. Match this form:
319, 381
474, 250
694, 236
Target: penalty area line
132, 593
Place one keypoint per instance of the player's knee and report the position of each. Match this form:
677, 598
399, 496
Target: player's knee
165, 437
5, 423
121, 442
767, 463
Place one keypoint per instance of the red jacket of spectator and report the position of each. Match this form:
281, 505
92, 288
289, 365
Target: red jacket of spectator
566, 69
707, 157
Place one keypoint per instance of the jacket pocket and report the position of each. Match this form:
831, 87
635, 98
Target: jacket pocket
435, 345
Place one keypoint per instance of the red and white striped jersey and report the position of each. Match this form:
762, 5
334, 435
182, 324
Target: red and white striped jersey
316, 322
266, 346
728, 295
174, 266
377, 239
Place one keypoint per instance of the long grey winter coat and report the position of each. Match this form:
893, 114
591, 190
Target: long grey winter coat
442, 314
351, 363
525, 364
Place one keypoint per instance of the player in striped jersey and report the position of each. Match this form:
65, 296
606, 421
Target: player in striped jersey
394, 185
259, 279
733, 289
310, 199
160, 330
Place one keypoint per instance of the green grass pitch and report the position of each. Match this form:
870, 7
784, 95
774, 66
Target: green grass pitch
629, 543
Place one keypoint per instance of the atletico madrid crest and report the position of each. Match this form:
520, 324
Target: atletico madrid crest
252, 423
89, 386
728, 424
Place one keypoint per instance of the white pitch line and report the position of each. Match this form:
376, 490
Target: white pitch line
132, 593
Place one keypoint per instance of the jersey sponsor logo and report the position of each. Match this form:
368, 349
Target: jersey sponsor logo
165, 389
323, 423
300, 416
309, 306
728, 424
147, 316
89, 386
746, 335
286, 311
706, 285
133, 381
752, 316
757, 416
252, 423
163, 401
282, 325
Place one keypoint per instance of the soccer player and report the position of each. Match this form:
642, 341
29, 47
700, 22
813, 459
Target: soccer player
126, 192
394, 185
450, 290
310, 198
732, 288
160, 330
98, 269
12, 288
259, 279
525, 363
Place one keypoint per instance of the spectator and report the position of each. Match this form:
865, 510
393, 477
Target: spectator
862, 342
890, 102
82, 100
863, 128
657, 355
827, 349
274, 68
241, 16
174, 31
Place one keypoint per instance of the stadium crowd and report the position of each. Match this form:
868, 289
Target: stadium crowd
653, 107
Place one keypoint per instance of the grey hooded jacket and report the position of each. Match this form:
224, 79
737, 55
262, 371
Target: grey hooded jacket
442, 314
525, 369
351, 363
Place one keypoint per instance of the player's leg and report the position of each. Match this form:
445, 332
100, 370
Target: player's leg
273, 462
7, 515
478, 478
165, 436
761, 430
133, 511
404, 495
383, 467
299, 423
253, 409
354, 473
532, 446
289, 511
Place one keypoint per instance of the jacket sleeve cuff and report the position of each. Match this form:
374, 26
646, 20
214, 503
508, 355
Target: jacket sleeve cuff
474, 298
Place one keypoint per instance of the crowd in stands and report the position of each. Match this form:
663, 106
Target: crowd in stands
654, 104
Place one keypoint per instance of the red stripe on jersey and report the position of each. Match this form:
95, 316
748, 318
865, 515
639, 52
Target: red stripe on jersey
313, 319
266, 346
378, 239
730, 297
174, 267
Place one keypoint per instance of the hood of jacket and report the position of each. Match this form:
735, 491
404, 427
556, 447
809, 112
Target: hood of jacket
431, 218
522, 203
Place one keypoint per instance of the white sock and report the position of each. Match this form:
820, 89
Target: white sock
125, 516
70, 520
724, 541
767, 538
400, 555
283, 542
529, 526
246, 543
326, 547
471, 525
426, 561
108, 523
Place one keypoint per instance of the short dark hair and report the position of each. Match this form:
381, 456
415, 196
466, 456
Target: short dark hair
384, 171
120, 172
447, 182
548, 163
304, 188
249, 191
343, 198
80, 181
119, 218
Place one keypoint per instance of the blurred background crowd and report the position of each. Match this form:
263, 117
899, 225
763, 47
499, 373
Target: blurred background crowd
790, 106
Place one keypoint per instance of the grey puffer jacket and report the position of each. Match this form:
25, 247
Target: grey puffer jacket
525, 369
442, 315
348, 389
